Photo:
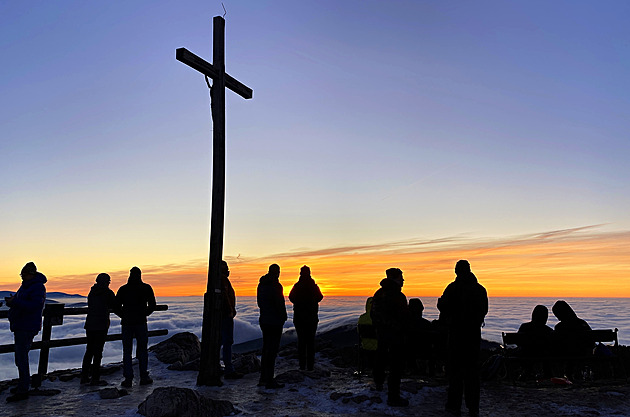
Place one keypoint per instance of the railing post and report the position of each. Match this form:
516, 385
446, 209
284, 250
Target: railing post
53, 316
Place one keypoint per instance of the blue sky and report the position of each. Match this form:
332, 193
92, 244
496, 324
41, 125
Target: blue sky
371, 122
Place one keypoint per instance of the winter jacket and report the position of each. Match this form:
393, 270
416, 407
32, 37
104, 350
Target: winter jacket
134, 302
25, 311
390, 313
365, 327
270, 300
464, 303
228, 302
100, 300
305, 296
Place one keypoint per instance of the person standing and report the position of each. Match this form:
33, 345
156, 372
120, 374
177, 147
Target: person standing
25, 321
134, 302
228, 312
100, 300
390, 315
273, 314
305, 296
464, 305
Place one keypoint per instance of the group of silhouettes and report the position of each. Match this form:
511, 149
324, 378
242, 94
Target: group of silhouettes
394, 333
391, 328
133, 303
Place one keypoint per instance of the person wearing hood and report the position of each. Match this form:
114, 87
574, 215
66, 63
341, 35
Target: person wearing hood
100, 300
273, 314
538, 333
390, 315
134, 302
367, 337
571, 332
25, 320
305, 296
464, 305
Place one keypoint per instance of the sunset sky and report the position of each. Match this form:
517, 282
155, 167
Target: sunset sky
404, 133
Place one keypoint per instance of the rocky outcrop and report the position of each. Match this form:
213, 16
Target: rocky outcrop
183, 402
183, 347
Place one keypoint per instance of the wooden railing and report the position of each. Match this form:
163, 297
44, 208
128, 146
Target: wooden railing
53, 316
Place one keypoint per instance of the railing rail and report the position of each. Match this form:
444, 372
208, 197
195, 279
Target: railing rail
53, 316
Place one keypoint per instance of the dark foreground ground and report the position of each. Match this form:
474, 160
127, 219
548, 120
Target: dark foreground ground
332, 389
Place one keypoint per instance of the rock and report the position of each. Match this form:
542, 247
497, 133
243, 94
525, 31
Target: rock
336, 395
67, 377
110, 393
291, 377
176, 366
360, 398
44, 392
183, 402
183, 347
246, 364
411, 386
376, 399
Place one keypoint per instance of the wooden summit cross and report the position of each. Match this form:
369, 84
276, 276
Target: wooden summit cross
209, 372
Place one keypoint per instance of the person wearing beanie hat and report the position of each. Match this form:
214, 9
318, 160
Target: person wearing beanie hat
464, 305
305, 296
100, 300
25, 318
390, 315
134, 302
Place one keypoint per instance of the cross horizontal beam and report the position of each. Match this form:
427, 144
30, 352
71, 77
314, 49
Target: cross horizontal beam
206, 68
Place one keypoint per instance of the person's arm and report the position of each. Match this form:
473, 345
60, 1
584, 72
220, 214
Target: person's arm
34, 299
118, 303
318, 295
151, 301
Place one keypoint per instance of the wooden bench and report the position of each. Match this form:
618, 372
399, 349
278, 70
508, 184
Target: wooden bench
589, 366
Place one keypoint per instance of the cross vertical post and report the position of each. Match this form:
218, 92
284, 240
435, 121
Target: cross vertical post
209, 367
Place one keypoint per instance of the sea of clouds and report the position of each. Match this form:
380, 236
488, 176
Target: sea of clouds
185, 314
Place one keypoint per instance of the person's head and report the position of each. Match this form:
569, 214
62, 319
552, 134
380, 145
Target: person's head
274, 270
28, 271
462, 267
562, 310
305, 271
224, 269
540, 314
416, 307
135, 273
396, 275
103, 279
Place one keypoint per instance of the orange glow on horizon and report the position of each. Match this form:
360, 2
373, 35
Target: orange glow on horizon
577, 265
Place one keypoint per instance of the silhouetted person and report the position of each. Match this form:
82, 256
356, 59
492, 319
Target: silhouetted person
305, 296
538, 339
25, 320
134, 302
571, 332
418, 342
273, 314
390, 315
367, 336
100, 300
463, 305
228, 312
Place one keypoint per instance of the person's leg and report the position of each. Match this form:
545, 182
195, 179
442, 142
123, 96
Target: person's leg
310, 346
87, 358
472, 386
142, 352
127, 343
396, 356
301, 330
276, 335
23, 341
380, 362
264, 358
454, 370
227, 339
99, 344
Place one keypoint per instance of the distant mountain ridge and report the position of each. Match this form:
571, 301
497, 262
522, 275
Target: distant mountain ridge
49, 294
